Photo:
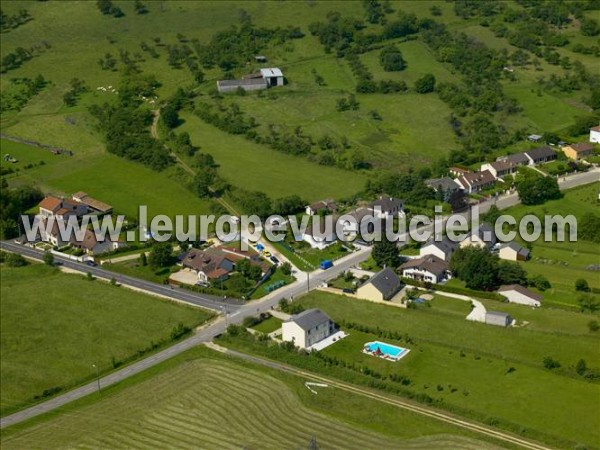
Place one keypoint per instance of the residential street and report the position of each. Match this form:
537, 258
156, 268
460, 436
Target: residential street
234, 311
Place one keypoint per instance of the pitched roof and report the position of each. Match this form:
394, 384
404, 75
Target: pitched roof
309, 319
540, 153
483, 230
323, 204
581, 147
85, 199
387, 282
476, 179
445, 245
517, 158
208, 261
51, 203
517, 248
430, 263
503, 165
595, 129
271, 72
444, 183
521, 290
387, 203
497, 313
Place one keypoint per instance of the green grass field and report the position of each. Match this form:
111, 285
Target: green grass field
235, 406
564, 262
120, 183
466, 364
55, 326
269, 325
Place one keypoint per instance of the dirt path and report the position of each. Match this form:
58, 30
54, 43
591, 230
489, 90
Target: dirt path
186, 167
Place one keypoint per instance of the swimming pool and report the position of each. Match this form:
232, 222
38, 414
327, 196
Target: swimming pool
386, 351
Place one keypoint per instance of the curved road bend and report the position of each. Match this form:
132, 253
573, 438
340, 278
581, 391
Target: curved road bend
234, 313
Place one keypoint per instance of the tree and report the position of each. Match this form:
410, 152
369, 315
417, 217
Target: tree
391, 59
169, 116
550, 363
143, 259
581, 367
161, 255
140, 7
589, 227
385, 253
536, 189
286, 268
593, 326
582, 285
540, 282
477, 267
588, 303
48, 258
288, 205
425, 84
589, 27
511, 273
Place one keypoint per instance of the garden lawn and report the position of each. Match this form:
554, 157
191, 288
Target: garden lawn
269, 325
55, 326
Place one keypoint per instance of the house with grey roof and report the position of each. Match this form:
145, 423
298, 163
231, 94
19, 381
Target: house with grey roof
428, 268
386, 206
382, 286
446, 185
540, 155
515, 293
482, 236
477, 181
443, 249
500, 169
518, 159
307, 328
513, 252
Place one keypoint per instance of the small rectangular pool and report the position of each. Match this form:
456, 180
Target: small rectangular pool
385, 351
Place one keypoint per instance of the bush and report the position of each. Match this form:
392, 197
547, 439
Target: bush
15, 260
582, 285
550, 363
425, 84
593, 326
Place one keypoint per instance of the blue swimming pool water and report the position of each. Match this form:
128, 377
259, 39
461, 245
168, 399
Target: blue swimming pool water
390, 350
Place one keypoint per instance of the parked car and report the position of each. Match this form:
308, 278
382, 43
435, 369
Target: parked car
348, 291
267, 254
326, 264
274, 259
91, 263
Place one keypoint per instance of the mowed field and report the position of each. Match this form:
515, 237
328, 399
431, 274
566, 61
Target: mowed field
210, 403
55, 326
466, 365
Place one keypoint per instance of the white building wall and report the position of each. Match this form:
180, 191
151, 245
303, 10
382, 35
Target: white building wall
595, 136
293, 333
432, 250
517, 297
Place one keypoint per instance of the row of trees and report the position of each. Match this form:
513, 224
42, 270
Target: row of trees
19, 91
8, 23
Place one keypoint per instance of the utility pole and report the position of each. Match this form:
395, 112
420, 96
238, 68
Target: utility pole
307, 281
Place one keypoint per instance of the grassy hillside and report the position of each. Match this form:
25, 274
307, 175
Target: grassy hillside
235, 406
55, 326
414, 130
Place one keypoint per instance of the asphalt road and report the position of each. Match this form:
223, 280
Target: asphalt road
232, 310
177, 294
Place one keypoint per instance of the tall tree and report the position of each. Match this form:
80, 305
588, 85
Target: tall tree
385, 253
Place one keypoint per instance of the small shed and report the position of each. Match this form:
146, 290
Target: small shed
273, 76
498, 318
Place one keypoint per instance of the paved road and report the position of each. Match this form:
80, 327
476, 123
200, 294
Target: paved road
233, 311
180, 295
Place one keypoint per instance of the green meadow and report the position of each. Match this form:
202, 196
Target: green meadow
51, 340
